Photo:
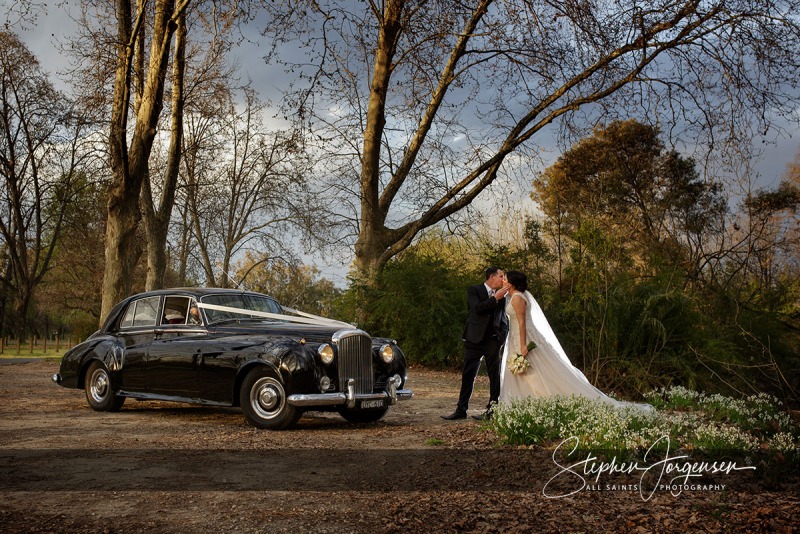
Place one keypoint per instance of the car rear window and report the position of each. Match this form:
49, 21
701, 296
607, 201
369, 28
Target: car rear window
142, 312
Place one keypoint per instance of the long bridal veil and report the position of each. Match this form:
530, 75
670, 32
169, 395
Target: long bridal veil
537, 320
551, 372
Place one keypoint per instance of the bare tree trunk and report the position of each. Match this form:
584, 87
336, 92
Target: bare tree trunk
371, 243
194, 214
21, 306
183, 248
123, 209
157, 222
5, 278
129, 167
122, 249
376, 243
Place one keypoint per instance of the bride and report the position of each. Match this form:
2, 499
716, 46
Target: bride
550, 372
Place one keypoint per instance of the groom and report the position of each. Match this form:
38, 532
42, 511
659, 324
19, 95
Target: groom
484, 336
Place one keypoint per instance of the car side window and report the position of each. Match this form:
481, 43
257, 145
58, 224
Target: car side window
142, 312
146, 312
127, 321
176, 310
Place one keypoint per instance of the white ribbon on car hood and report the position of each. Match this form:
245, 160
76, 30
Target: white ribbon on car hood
306, 318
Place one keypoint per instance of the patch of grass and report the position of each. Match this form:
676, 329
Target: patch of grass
10, 350
49, 355
436, 442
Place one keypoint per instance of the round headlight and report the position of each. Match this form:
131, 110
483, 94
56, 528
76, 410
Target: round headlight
324, 384
325, 353
387, 353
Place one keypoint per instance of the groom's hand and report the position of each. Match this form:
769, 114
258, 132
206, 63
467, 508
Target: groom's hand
501, 293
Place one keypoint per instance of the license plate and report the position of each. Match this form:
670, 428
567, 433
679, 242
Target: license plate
366, 404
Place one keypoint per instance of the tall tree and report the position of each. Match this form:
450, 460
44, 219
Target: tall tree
244, 190
157, 218
428, 100
69, 295
651, 201
39, 156
200, 84
129, 160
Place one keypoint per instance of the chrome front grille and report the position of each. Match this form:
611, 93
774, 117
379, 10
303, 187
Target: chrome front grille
355, 359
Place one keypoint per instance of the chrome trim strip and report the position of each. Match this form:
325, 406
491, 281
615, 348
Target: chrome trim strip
335, 399
170, 398
346, 333
317, 399
173, 329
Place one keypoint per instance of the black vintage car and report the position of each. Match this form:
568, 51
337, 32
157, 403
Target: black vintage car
235, 348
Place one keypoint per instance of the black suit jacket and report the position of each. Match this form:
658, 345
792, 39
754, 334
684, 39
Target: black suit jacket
482, 311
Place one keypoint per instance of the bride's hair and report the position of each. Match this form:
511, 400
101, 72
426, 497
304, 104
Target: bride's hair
518, 280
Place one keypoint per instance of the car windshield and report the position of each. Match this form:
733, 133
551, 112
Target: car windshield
243, 303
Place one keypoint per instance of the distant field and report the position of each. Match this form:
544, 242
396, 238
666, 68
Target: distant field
9, 350
26, 353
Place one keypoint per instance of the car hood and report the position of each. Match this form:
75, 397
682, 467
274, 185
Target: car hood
312, 333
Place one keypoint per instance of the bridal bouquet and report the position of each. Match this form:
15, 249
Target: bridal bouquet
519, 363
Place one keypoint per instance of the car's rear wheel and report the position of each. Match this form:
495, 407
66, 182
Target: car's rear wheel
363, 416
263, 401
98, 389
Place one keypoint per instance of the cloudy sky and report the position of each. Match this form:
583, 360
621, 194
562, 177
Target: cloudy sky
54, 26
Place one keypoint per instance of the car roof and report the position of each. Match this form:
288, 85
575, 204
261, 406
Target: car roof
198, 292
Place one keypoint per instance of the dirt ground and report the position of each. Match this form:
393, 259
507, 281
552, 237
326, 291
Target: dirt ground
164, 467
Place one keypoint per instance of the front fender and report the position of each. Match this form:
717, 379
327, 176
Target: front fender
396, 366
290, 362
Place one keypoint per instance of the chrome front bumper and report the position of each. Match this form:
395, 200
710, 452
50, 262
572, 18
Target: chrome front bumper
349, 398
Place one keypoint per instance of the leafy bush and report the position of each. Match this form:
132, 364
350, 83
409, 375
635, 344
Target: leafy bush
420, 302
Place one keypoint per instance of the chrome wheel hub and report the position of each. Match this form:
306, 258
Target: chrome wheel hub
99, 385
267, 398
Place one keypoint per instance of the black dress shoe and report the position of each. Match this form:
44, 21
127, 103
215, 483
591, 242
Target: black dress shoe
485, 416
455, 415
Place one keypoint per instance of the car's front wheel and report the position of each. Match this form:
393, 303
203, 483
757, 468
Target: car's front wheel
98, 389
263, 401
363, 416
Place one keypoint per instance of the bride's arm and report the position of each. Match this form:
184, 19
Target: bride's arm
520, 306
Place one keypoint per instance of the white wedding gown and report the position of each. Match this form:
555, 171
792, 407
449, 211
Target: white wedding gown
550, 372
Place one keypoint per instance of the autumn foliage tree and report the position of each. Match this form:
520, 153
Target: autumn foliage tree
39, 156
650, 201
291, 283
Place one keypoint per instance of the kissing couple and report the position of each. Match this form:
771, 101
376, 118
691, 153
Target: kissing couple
506, 327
